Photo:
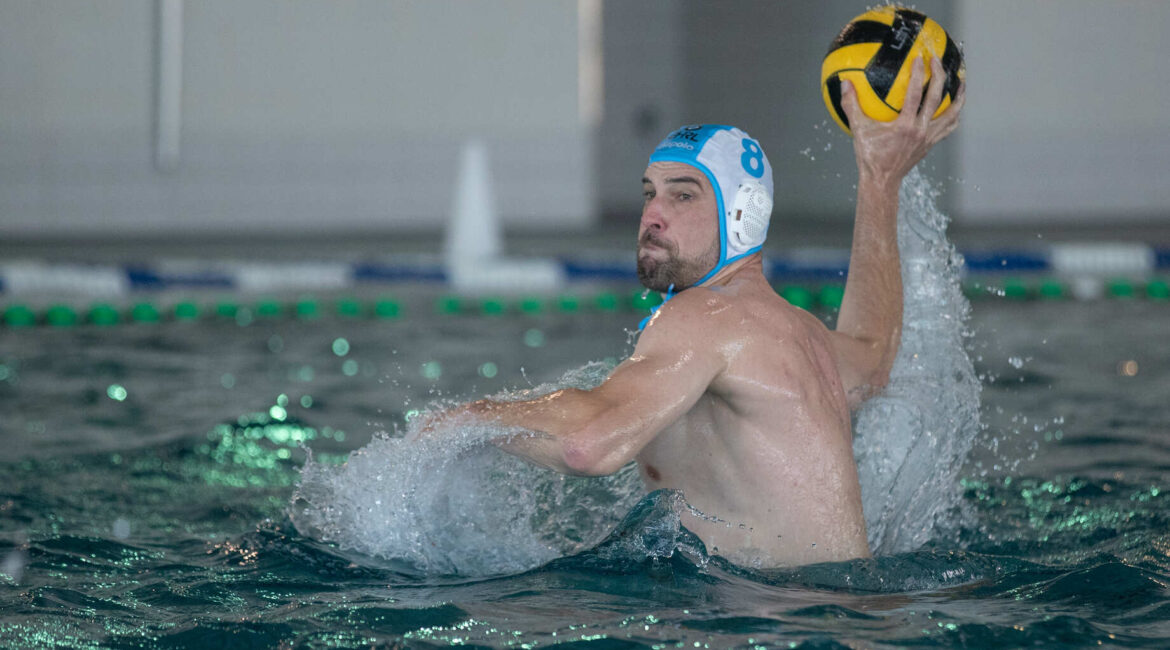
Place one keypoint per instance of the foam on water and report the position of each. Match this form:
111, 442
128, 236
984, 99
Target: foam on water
911, 441
452, 504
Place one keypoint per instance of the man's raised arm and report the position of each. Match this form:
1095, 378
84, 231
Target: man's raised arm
869, 326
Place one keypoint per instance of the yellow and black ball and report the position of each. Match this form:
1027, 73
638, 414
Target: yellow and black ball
875, 53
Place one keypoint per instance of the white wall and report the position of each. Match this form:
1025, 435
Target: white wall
1066, 117
298, 117
348, 116
644, 43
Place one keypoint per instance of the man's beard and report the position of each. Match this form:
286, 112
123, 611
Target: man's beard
659, 275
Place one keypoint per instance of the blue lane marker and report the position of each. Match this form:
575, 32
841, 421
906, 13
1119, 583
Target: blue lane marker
615, 270
1005, 261
371, 272
796, 271
1162, 258
144, 278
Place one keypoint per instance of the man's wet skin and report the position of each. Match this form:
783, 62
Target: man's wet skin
660, 265
733, 396
764, 453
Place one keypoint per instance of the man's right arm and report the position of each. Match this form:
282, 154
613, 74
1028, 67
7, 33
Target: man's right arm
869, 325
596, 432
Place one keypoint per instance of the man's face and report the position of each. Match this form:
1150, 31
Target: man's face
678, 239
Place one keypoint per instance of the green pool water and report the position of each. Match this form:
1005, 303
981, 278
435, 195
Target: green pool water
146, 475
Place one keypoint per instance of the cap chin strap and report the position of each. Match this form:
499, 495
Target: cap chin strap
654, 310
715, 269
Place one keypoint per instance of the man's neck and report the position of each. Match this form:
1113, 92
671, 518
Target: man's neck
743, 268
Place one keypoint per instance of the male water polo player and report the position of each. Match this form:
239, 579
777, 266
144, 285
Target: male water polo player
733, 396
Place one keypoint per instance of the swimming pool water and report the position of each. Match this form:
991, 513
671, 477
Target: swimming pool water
146, 474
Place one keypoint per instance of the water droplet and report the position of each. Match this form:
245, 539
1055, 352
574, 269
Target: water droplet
534, 338
116, 392
432, 370
305, 373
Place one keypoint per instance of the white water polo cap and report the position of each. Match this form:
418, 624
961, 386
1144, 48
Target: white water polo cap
736, 166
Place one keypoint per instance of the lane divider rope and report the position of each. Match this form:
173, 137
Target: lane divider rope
823, 298
33, 278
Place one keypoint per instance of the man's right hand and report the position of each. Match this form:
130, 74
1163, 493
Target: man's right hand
887, 151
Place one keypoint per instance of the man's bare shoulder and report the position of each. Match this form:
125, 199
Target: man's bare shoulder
718, 314
696, 310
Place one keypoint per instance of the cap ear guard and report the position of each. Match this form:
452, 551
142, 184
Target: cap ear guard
747, 220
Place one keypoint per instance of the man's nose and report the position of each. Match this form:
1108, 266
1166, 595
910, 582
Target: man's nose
652, 216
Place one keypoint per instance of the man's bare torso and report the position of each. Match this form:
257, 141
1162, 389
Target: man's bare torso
765, 456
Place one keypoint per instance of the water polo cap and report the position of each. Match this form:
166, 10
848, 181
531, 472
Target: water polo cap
739, 171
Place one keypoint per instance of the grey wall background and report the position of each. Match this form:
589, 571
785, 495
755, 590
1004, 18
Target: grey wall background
1068, 118
347, 117
296, 117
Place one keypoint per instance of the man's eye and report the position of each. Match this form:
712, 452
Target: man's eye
647, 195
683, 196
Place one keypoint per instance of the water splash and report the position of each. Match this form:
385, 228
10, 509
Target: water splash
455, 505
652, 532
451, 504
912, 440
13, 565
